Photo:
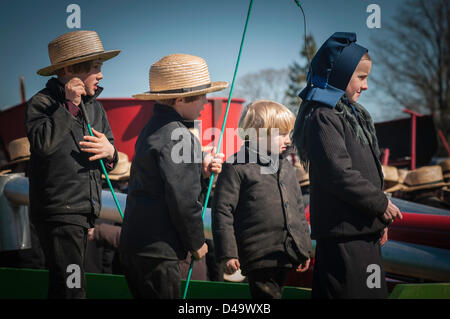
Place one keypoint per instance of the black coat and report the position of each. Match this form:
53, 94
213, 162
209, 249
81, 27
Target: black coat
346, 179
163, 216
62, 179
259, 218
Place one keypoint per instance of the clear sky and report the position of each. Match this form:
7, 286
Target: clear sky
148, 30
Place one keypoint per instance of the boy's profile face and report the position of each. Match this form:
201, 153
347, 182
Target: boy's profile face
358, 82
91, 78
276, 144
191, 110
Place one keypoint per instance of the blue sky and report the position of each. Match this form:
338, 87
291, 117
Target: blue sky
148, 30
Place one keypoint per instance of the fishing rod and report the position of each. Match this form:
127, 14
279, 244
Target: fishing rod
211, 180
86, 118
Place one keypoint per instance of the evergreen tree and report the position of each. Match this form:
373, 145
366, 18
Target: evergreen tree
297, 74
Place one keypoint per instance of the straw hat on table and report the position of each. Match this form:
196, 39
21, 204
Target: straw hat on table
19, 151
427, 177
179, 75
122, 170
445, 164
75, 47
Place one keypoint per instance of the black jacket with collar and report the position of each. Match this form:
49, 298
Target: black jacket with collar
258, 217
346, 180
62, 179
163, 216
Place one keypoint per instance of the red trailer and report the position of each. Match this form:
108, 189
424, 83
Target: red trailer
127, 117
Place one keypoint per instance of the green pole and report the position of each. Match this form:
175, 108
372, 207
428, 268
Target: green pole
211, 179
83, 110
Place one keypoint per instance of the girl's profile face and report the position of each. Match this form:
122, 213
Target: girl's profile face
358, 82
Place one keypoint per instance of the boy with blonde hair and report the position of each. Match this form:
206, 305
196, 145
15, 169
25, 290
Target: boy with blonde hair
258, 218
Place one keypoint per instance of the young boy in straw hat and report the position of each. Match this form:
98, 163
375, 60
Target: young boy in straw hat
163, 217
65, 176
258, 218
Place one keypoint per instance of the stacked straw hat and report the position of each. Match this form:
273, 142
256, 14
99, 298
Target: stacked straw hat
75, 47
427, 177
122, 170
179, 75
302, 175
445, 164
19, 151
390, 174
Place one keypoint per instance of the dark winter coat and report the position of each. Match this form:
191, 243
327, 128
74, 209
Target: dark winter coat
259, 218
346, 197
62, 179
163, 215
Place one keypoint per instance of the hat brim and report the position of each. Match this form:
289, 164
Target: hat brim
51, 70
215, 86
398, 187
6, 171
118, 178
430, 186
20, 160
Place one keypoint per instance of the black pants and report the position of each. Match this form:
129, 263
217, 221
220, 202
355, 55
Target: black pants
152, 278
267, 283
64, 245
350, 268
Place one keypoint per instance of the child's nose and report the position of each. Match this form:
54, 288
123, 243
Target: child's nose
364, 86
99, 76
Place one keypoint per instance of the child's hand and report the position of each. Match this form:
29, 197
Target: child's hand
212, 163
91, 235
74, 90
199, 254
304, 267
384, 238
98, 145
232, 266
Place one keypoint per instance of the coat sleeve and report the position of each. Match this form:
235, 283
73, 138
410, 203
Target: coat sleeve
226, 198
327, 150
182, 189
47, 123
107, 235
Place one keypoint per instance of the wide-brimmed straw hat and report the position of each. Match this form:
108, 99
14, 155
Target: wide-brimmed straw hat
75, 47
427, 177
445, 164
19, 151
302, 175
179, 75
390, 174
122, 170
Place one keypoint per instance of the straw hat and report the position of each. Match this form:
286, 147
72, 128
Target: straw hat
19, 151
122, 170
445, 164
179, 75
302, 175
75, 47
426, 177
391, 179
